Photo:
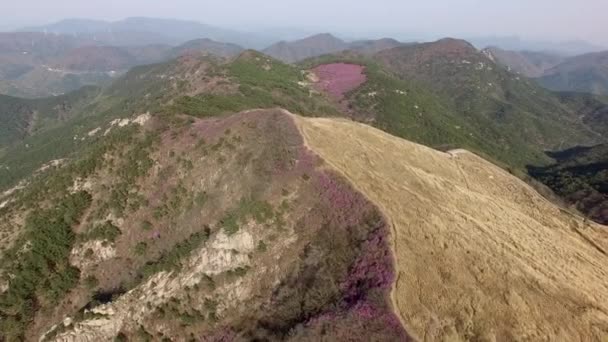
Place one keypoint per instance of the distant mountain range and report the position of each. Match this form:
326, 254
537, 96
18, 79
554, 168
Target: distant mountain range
563, 48
38, 65
144, 31
586, 73
63, 56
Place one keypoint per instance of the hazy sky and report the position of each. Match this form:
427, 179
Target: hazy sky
529, 19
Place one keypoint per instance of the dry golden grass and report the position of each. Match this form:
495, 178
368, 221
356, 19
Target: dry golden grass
480, 255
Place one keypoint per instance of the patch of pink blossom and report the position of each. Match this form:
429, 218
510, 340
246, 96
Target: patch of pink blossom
364, 321
337, 79
373, 268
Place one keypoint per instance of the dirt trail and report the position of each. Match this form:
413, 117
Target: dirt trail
479, 254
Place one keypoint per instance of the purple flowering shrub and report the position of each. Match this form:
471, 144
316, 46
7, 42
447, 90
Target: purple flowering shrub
337, 79
338, 287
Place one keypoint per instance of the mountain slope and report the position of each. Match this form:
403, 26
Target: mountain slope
223, 228
580, 176
528, 63
20, 118
586, 73
201, 86
513, 114
464, 228
591, 108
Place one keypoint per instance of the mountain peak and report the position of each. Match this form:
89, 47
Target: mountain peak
454, 45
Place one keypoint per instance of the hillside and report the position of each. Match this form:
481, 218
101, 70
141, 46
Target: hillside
20, 118
479, 254
448, 95
586, 73
527, 63
200, 86
265, 225
580, 176
165, 206
591, 108
226, 228
512, 118
370, 47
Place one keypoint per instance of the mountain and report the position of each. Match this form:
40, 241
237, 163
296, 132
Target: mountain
586, 73
205, 46
527, 63
145, 31
370, 47
323, 44
447, 94
195, 85
580, 176
591, 108
186, 201
36, 65
168, 225
313, 46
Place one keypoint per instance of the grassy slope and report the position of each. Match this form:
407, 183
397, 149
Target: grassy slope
464, 228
